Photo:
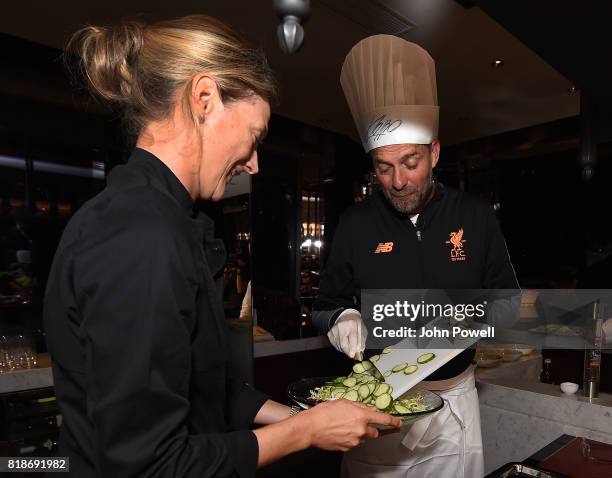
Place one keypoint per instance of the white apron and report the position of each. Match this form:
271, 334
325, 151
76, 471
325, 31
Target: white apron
447, 444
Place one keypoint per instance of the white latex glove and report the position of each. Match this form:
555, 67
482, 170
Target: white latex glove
348, 335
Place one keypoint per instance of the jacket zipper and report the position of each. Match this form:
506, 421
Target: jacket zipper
419, 235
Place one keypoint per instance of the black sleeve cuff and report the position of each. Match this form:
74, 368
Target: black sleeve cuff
243, 450
334, 317
244, 404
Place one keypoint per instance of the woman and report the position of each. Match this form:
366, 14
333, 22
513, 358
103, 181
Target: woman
133, 316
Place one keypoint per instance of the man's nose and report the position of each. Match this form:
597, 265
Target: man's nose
400, 179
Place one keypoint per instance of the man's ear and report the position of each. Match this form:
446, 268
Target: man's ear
435, 152
205, 95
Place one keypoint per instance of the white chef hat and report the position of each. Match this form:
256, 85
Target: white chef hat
390, 86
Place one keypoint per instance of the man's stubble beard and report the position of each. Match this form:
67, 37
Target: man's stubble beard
412, 200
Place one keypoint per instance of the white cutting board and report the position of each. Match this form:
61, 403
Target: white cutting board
405, 352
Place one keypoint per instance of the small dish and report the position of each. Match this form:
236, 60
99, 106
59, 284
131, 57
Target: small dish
569, 388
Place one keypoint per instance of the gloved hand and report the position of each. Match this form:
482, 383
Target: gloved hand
348, 335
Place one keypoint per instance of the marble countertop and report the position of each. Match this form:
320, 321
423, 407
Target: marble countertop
30, 379
515, 390
280, 347
523, 375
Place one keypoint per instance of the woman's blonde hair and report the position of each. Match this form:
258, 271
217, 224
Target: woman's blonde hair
145, 69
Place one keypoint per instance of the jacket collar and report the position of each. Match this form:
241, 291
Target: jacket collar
161, 176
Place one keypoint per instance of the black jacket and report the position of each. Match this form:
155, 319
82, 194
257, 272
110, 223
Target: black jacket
420, 257
135, 327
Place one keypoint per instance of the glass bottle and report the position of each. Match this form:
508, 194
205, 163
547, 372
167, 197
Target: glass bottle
546, 375
592, 352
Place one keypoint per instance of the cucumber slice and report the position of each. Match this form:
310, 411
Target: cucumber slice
383, 401
410, 369
374, 358
358, 368
349, 382
399, 367
366, 364
402, 410
368, 400
426, 358
338, 392
353, 396
388, 373
371, 387
381, 389
364, 392
387, 350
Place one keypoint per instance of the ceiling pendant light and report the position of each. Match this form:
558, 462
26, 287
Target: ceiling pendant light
290, 32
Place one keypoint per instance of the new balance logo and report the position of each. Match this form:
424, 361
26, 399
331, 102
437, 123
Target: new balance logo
384, 247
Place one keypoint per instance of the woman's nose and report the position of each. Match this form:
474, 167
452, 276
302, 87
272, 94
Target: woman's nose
252, 166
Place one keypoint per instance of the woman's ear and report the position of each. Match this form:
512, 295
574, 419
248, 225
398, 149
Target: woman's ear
205, 96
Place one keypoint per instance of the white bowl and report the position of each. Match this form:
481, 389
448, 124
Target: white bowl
569, 387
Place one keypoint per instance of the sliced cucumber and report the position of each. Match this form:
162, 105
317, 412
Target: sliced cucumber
399, 367
338, 392
388, 373
365, 388
410, 369
366, 364
364, 391
426, 358
400, 409
383, 401
353, 396
381, 389
358, 368
374, 358
387, 350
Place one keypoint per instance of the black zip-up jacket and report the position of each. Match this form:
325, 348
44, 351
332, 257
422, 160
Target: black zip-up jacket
135, 326
376, 247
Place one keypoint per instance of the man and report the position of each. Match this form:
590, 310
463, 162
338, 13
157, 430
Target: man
412, 234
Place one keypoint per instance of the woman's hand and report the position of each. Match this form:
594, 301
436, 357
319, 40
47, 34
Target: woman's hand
334, 425
342, 424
